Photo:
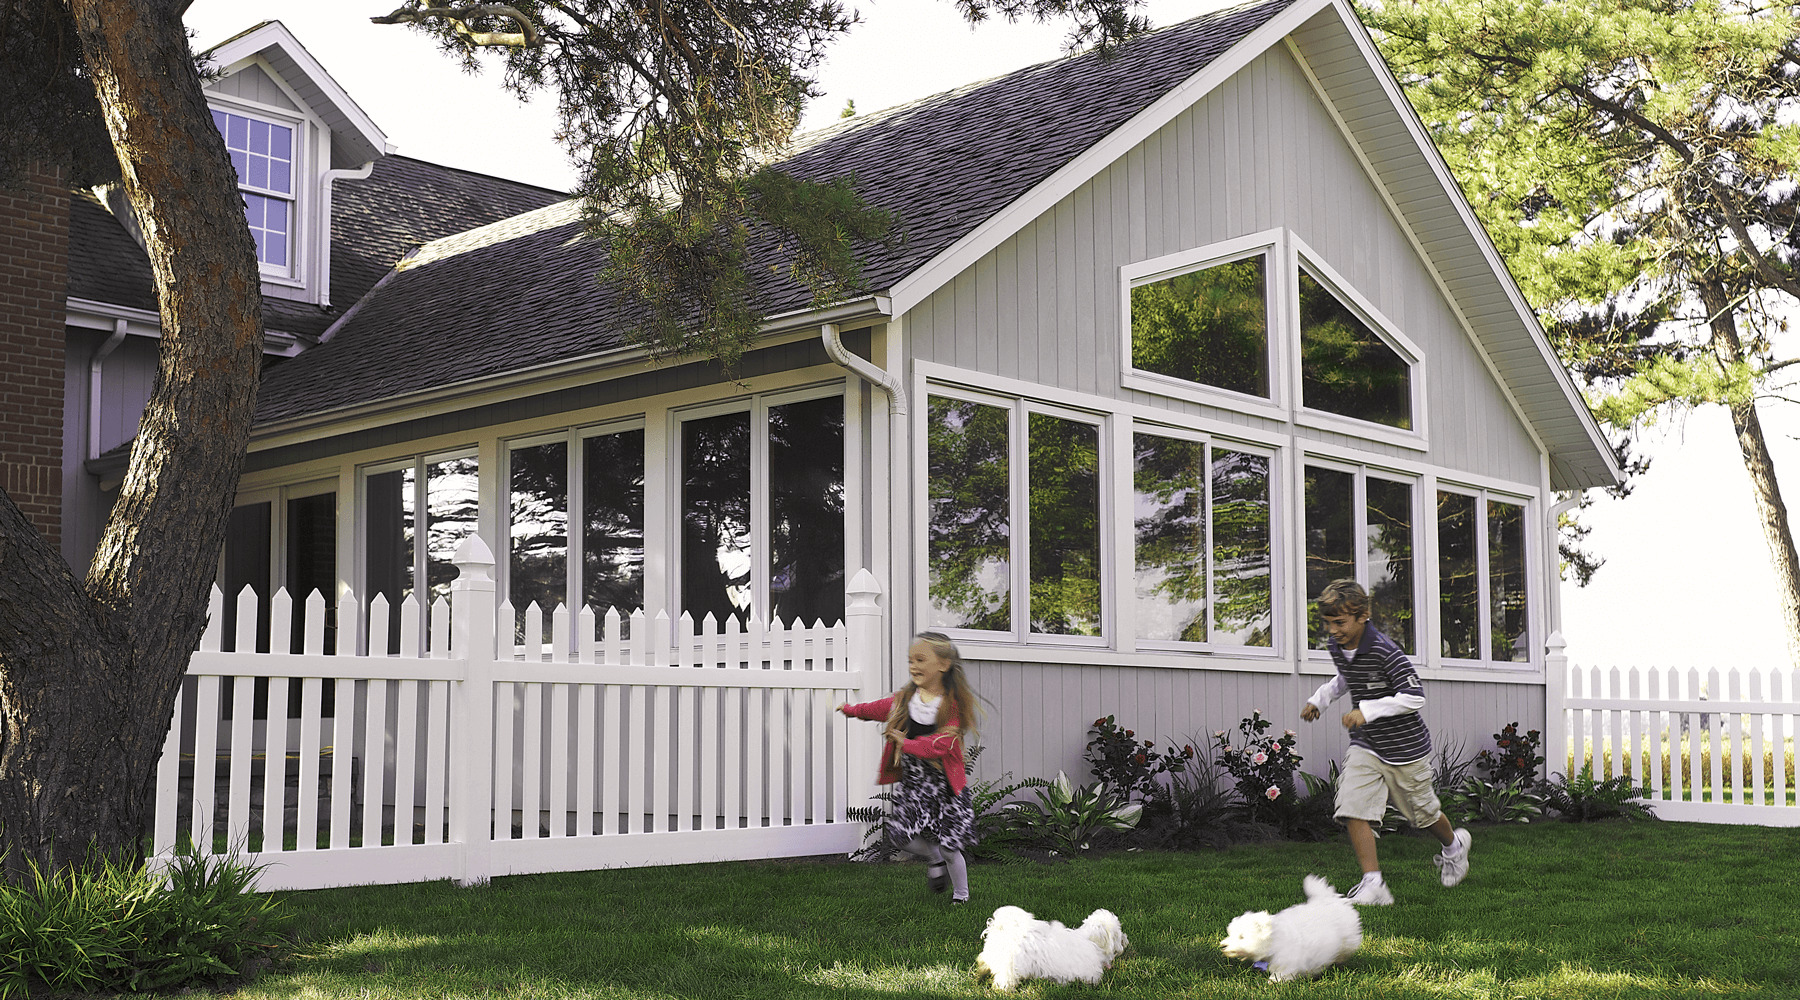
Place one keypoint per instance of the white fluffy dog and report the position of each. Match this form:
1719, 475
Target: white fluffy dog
1020, 947
1301, 941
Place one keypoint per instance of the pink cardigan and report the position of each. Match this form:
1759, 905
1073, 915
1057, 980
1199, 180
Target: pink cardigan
944, 747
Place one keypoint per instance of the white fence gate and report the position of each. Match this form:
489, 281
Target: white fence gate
1712, 747
454, 761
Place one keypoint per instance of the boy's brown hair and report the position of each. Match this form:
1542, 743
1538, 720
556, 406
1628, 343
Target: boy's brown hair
1343, 597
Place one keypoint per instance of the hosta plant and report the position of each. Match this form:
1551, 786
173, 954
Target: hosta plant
1067, 818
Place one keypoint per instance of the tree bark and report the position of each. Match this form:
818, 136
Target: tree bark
89, 672
1728, 348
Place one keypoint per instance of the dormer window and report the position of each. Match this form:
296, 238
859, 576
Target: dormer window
262, 152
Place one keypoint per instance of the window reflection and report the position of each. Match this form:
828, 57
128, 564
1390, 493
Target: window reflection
612, 541
538, 564
806, 511
1390, 560
1330, 538
969, 535
1459, 583
1346, 368
1065, 526
1243, 584
1506, 581
451, 504
715, 517
1169, 519
1208, 326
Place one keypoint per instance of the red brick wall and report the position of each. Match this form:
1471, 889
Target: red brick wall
34, 265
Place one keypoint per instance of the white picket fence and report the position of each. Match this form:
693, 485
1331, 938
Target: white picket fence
465, 759
1712, 747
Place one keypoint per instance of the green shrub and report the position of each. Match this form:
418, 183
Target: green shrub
1581, 799
1068, 819
1116, 758
1514, 758
1478, 801
1262, 769
111, 926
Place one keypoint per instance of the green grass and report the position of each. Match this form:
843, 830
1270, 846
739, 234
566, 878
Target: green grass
1654, 910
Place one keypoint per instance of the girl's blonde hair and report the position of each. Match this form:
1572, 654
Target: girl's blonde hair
956, 685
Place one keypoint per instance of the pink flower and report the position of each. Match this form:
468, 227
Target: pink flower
1289, 732
1220, 733
1259, 758
1273, 793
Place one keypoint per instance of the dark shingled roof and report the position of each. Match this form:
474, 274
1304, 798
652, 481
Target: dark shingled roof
522, 293
403, 204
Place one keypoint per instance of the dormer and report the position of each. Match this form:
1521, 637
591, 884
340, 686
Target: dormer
292, 133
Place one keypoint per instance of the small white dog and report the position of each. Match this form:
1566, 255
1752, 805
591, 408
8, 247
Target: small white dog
1301, 941
1020, 947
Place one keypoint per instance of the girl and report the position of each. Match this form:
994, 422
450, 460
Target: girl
929, 810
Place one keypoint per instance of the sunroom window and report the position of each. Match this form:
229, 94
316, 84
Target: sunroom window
418, 514
982, 496
575, 533
262, 153
1209, 326
1481, 588
1359, 525
1346, 368
1201, 522
762, 511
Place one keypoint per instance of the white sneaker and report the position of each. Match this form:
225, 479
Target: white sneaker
1453, 861
1367, 893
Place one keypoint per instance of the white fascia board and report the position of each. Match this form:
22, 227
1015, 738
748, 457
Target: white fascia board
610, 364
1434, 161
366, 135
87, 314
1001, 226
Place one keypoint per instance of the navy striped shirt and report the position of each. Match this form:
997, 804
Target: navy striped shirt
1380, 670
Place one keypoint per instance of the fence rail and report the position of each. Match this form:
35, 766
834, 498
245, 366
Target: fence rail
1714, 747
471, 757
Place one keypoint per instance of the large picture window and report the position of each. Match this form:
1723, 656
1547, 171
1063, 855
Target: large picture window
417, 514
1482, 595
1359, 525
1209, 326
1001, 475
1203, 556
262, 153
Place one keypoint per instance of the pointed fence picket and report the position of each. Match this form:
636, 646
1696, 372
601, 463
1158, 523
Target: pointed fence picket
1712, 747
360, 753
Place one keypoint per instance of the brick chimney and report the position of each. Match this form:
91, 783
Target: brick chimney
34, 269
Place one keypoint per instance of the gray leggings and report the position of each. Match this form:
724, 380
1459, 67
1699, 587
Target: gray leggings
935, 854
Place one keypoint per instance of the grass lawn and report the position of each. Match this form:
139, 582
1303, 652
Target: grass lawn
1655, 910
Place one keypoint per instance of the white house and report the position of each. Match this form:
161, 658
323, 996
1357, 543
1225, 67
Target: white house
1172, 339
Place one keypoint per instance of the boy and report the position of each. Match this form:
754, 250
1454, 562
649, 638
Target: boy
1390, 748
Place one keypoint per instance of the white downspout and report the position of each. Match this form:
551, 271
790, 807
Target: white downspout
94, 384
900, 500
322, 291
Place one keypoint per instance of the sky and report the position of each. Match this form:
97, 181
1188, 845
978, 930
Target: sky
1686, 580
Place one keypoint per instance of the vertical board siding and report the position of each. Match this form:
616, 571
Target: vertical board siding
1038, 714
1258, 152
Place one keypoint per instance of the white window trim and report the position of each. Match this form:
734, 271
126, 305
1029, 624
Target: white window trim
1534, 629
419, 464
757, 405
1271, 244
1318, 660
1126, 565
299, 274
1019, 411
1418, 437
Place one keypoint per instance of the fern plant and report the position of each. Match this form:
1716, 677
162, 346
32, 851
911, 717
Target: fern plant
1582, 799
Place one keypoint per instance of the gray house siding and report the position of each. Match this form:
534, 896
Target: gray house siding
1258, 153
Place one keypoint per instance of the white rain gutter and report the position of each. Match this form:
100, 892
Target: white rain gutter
94, 384
322, 294
896, 393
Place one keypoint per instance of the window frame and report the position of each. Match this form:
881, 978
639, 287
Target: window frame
1534, 631
1269, 243
1425, 622
757, 405
1416, 438
1129, 563
1019, 411
420, 464
295, 273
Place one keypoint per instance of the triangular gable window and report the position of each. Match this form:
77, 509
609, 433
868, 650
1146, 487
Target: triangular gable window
1346, 367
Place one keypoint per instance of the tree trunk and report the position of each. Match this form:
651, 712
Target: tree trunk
89, 672
1770, 509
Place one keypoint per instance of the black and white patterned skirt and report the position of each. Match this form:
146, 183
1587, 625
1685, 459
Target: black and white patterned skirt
921, 805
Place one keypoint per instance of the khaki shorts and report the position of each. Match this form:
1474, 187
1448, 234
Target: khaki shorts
1369, 783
